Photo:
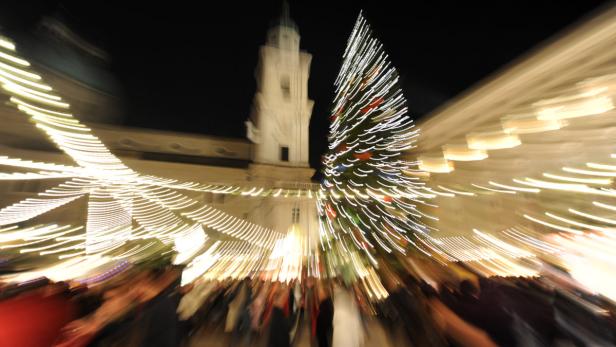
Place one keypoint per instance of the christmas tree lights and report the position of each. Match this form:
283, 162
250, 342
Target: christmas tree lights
368, 201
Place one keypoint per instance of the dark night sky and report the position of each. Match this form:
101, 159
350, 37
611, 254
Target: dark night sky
191, 68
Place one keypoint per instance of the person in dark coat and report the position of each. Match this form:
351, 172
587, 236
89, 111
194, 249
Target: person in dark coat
279, 323
159, 314
325, 316
484, 309
406, 307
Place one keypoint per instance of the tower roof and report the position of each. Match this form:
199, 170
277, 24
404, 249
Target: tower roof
285, 18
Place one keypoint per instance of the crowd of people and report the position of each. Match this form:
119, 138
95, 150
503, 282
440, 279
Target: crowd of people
150, 308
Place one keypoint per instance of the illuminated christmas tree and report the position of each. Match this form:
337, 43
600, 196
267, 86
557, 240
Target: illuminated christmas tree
369, 192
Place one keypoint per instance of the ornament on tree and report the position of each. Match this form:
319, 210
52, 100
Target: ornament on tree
363, 156
335, 115
330, 211
372, 105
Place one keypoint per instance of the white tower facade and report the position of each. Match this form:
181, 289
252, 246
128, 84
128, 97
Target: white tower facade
279, 128
281, 111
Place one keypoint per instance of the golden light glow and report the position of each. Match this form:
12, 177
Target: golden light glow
492, 140
588, 103
435, 164
463, 153
529, 124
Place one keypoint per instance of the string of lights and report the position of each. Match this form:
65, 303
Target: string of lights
128, 214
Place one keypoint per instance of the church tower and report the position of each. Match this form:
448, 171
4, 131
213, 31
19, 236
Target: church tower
278, 125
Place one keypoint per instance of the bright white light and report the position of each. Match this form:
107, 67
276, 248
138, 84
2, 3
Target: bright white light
6, 43
188, 244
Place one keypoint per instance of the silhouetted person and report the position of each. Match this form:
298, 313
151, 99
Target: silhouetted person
485, 310
325, 317
279, 324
